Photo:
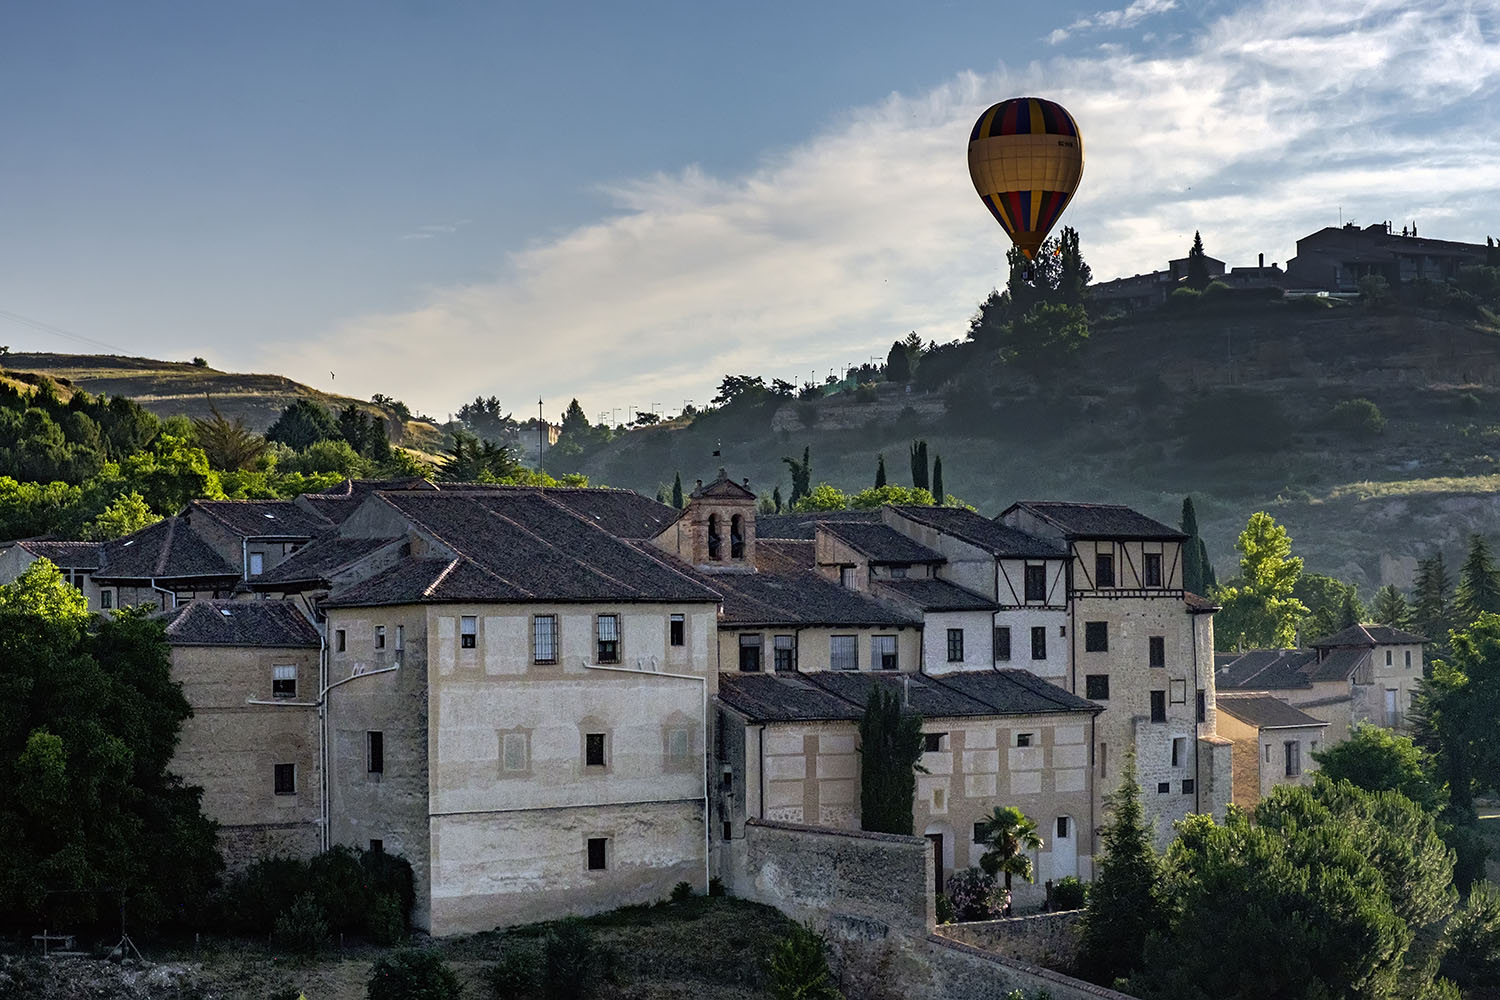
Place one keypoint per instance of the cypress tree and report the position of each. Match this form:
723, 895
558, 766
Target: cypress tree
1478, 583
919, 465
890, 747
776, 498
1125, 903
880, 472
1197, 572
677, 491
1197, 264
937, 480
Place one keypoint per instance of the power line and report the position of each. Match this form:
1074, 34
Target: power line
58, 331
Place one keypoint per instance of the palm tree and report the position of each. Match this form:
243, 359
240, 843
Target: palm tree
1008, 834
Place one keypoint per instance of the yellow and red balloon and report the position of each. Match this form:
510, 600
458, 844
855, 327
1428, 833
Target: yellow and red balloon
1026, 157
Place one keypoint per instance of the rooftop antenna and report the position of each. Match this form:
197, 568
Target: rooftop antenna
541, 432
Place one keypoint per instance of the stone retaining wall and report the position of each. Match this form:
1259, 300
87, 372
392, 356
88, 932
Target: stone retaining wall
1046, 939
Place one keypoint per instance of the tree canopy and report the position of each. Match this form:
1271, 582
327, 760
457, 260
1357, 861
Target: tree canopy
1259, 608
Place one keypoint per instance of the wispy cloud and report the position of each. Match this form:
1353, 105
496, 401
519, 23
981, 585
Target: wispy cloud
1256, 130
434, 230
1111, 20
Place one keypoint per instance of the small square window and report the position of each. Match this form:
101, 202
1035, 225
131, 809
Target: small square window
1152, 569
1039, 642
593, 749
1002, 644
1188, 786
340, 642
1096, 687
375, 751
1096, 637
1157, 646
379, 636
675, 630
955, 645
284, 681
597, 853
1023, 739
468, 631
285, 779
1163, 787
1104, 571
377, 846
932, 742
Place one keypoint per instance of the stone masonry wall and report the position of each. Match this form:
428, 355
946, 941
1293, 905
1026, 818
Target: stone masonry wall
1046, 939
961, 972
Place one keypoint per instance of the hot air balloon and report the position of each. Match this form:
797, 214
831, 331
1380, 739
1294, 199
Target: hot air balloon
1026, 156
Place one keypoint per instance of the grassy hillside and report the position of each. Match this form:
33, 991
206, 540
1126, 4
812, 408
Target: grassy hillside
168, 388
1238, 407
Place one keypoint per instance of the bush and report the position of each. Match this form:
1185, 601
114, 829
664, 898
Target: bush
1069, 894
384, 922
682, 891
361, 892
573, 963
974, 895
265, 890
1358, 417
864, 392
412, 974
799, 967
516, 973
302, 928
716, 886
944, 909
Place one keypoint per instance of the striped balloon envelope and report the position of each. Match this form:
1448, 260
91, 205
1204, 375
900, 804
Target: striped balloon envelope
1026, 156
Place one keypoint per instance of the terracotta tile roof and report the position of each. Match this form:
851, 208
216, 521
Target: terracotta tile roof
801, 597
1098, 520
239, 623
1368, 636
262, 518
982, 532
1198, 605
841, 695
1265, 712
933, 595
168, 550
881, 544
318, 561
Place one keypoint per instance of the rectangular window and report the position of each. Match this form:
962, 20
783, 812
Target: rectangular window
1179, 692
955, 645
1157, 646
1158, 706
1188, 786
1036, 584
978, 833
1002, 644
379, 636
339, 643
1202, 706
1163, 787
1023, 739
377, 846
843, 652
1293, 758
468, 631
1390, 707
1268, 753
750, 653
257, 563
1039, 642
1151, 569
607, 631
400, 638
1179, 751
1388, 655
1408, 652
593, 749
785, 650
285, 778
676, 629
1096, 687
846, 576
1103, 760
513, 752
1096, 637
107, 601
544, 639
597, 852
375, 751
1104, 571
883, 652
679, 745
1062, 827
932, 742
284, 681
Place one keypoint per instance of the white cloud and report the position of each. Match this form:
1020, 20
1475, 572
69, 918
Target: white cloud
1256, 130
1112, 20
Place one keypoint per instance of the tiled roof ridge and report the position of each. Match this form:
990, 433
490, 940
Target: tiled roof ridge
452, 564
811, 678
166, 547
1015, 674
672, 564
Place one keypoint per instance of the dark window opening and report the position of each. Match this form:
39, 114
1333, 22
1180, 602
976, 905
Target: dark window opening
379, 636
736, 537
1158, 706
377, 846
955, 645
1036, 584
1096, 687
593, 749
1039, 642
375, 740
785, 651
883, 652
339, 643
468, 631
750, 653
1096, 637
1163, 787
1202, 706
1188, 786
713, 537
1002, 644
932, 742
597, 853
1158, 648
1023, 739
285, 778
1104, 570
1062, 827
1152, 569
677, 626
728, 830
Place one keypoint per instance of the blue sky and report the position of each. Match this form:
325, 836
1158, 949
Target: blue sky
622, 202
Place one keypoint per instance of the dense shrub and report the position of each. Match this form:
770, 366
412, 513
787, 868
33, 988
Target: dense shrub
369, 893
574, 965
799, 967
1358, 417
302, 928
1069, 894
974, 895
412, 974
716, 886
516, 974
682, 891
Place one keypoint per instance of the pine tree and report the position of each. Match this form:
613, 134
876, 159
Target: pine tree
919, 465
1478, 583
677, 491
880, 472
1197, 264
1390, 608
890, 748
1125, 904
937, 480
1431, 612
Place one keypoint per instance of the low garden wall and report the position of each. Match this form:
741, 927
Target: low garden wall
1046, 939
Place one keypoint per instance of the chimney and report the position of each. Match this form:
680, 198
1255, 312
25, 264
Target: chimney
700, 484
1262, 260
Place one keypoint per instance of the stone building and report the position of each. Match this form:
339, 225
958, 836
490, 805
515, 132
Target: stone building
1273, 742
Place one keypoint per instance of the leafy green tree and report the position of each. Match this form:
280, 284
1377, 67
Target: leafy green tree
902, 496
737, 388
487, 420
229, 444
1007, 834
169, 476
898, 364
919, 465
1074, 273
574, 421
801, 476
128, 513
412, 974
1197, 265
1259, 607
890, 748
1457, 707
677, 500
1125, 903
333, 455
364, 432
1379, 760
1047, 336
302, 424
1478, 582
1390, 608
823, 497
28, 509
1197, 570
1332, 604
937, 477
880, 471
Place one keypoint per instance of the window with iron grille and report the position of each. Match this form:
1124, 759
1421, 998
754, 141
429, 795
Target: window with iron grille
1151, 569
607, 633
955, 645
544, 639
883, 652
1002, 644
843, 652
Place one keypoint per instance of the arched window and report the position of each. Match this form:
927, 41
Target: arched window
736, 537
713, 537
